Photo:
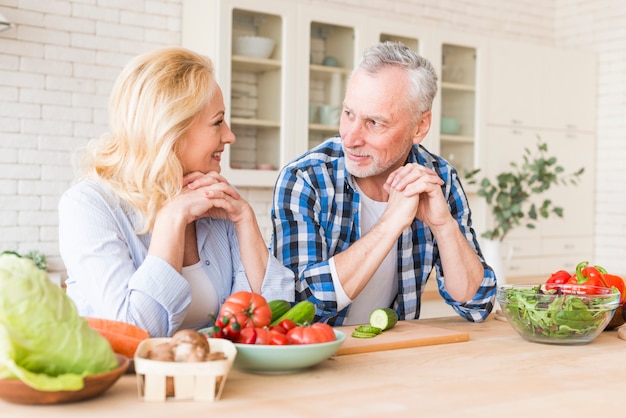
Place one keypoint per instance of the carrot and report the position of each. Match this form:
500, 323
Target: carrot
123, 337
118, 327
121, 344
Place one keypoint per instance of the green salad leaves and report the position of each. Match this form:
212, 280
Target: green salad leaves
557, 315
43, 340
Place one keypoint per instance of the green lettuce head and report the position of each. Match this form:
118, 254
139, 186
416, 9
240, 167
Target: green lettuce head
43, 340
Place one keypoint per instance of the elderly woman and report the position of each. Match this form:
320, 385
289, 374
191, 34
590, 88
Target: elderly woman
152, 234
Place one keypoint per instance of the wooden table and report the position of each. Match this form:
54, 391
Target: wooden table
496, 373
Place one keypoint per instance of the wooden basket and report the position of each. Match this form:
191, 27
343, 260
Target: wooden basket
163, 380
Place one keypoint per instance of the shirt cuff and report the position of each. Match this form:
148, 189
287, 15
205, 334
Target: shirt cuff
279, 282
171, 290
342, 299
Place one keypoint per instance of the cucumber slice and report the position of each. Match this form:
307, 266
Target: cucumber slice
361, 334
383, 318
368, 328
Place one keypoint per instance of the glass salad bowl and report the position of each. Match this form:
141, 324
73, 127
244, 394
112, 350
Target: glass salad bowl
558, 314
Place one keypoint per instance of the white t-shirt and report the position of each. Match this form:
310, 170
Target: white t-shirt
382, 288
204, 301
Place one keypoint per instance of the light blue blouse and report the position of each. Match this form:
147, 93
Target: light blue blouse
111, 275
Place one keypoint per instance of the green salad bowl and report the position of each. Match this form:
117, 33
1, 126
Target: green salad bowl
560, 314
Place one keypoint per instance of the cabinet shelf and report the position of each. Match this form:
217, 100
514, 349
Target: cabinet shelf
323, 128
257, 65
262, 123
462, 139
457, 86
321, 70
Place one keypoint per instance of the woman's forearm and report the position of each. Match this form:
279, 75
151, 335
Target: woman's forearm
253, 250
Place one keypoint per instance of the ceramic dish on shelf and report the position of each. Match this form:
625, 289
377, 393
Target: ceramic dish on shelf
16, 391
253, 46
450, 126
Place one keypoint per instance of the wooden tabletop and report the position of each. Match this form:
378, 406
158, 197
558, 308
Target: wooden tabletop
495, 373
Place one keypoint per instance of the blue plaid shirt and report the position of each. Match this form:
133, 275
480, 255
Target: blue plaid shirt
315, 215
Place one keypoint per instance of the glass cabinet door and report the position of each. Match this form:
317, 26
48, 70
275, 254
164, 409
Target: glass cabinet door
458, 106
330, 64
409, 42
256, 79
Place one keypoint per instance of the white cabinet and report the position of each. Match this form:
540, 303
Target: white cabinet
281, 106
574, 150
258, 92
457, 57
329, 49
458, 122
547, 92
515, 81
569, 90
541, 87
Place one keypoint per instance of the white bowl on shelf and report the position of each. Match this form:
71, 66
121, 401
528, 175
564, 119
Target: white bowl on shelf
253, 46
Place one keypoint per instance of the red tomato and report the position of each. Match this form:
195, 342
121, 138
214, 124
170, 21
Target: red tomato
247, 336
313, 334
229, 327
278, 329
249, 309
287, 324
278, 339
327, 330
263, 336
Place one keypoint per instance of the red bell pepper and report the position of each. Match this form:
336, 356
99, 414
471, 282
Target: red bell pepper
589, 276
557, 278
617, 282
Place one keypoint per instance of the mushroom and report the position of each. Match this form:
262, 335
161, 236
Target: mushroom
162, 352
190, 346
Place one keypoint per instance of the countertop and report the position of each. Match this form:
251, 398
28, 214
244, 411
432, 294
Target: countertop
495, 373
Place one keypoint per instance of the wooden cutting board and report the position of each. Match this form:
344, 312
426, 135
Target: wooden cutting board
405, 334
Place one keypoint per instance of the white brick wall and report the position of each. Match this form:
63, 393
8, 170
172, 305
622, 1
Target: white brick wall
58, 64
57, 67
598, 26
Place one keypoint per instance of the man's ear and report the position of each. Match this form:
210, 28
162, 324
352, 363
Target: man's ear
422, 127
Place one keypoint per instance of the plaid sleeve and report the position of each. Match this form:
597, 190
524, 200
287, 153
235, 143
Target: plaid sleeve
478, 308
298, 239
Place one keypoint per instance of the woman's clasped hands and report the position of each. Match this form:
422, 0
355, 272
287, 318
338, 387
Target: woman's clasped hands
211, 195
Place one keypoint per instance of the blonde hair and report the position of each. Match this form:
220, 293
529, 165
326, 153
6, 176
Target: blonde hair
154, 101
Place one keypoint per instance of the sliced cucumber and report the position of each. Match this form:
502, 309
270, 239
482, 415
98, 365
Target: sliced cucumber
368, 328
383, 318
361, 334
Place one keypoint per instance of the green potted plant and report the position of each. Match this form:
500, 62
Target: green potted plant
510, 200
509, 196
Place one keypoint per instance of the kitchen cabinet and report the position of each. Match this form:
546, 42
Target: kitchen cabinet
281, 106
547, 92
569, 90
258, 92
329, 50
458, 106
457, 57
541, 86
514, 93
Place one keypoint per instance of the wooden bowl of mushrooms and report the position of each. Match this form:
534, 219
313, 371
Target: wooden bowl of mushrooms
187, 366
